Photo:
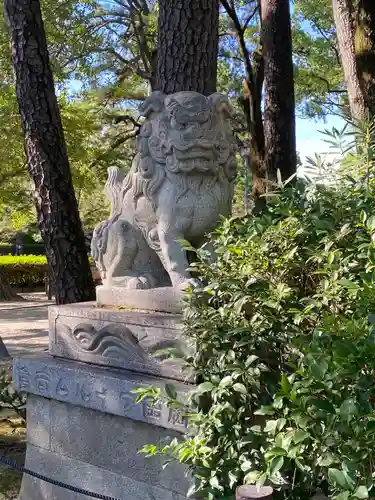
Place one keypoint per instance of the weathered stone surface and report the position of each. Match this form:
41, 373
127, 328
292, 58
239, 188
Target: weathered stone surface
84, 475
102, 440
39, 421
180, 182
99, 388
125, 338
163, 299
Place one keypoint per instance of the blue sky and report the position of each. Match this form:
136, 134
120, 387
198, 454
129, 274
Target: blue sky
309, 140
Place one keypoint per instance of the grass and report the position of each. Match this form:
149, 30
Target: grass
13, 446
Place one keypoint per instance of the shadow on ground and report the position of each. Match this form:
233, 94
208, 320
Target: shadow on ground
23, 314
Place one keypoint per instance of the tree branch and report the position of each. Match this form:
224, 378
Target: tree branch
123, 118
329, 89
115, 144
249, 19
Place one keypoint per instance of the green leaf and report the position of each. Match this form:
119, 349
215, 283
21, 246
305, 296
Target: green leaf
265, 410
240, 388
321, 404
300, 436
361, 492
276, 452
348, 408
245, 466
370, 223
363, 216
285, 385
350, 285
281, 422
300, 465
337, 477
214, 482
276, 464
205, 387
171, 391
226, 381
331, 258
271, 426
261, 480
317, 367
327, 460
344, 495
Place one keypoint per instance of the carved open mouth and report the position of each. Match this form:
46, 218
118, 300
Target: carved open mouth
195, 154
197, 164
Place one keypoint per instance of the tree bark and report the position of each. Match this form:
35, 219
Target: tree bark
279, 110
47, 157
187, 46
344, 21
365, 52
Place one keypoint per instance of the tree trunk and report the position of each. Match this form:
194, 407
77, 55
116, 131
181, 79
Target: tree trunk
365, 52
188, 46
251, 103
279, 110
343, 17
47, 158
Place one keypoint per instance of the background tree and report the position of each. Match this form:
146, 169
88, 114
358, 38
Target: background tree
243, 22
188, 42
47, 158
319, 81
344, 21
365, 52
279, 112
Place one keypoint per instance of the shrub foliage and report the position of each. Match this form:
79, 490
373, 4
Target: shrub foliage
284, 330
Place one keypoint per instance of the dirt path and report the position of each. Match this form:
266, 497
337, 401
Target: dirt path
24, 330
24, 324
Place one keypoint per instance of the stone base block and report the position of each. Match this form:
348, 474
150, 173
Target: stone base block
124, 338
97, 452
98, 388
85, 429
163, 299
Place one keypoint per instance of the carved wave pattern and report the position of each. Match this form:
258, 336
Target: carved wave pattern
111, 341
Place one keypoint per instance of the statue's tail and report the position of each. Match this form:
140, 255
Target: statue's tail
99, 243
113, 188
100, 236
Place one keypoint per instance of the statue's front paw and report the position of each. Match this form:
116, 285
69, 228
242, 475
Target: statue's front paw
141, 283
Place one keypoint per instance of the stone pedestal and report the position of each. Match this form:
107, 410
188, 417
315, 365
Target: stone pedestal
119, 337
84, 425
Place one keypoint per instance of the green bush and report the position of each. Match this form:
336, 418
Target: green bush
25, 270
284, 330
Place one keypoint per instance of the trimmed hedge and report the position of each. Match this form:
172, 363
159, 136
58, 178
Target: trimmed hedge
24, 270
30, 270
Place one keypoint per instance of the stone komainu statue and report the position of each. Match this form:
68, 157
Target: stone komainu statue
180, 182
